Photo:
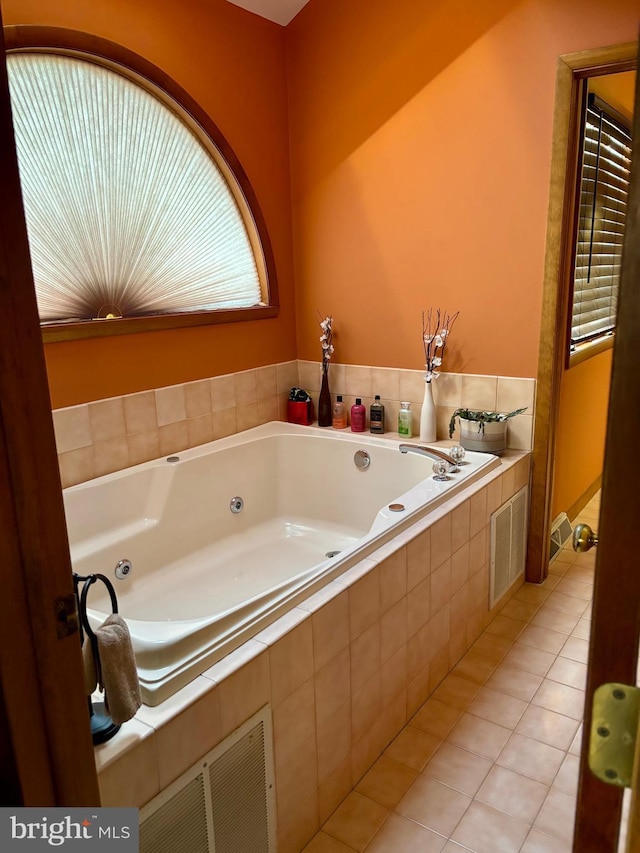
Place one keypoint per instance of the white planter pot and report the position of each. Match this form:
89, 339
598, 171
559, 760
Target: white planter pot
486, 438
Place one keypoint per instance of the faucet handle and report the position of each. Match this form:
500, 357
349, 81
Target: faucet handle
441, 470
457, 453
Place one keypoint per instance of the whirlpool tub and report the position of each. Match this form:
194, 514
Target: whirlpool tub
223, 538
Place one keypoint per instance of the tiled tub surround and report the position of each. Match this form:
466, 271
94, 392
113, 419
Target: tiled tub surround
108, 435
206, 578
343, 672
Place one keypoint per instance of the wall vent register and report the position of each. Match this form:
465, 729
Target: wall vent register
508, 544
560, 532
223, 804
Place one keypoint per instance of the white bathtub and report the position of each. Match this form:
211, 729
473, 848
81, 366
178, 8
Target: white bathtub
204, 579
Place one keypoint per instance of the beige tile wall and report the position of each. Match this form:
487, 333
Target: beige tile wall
451, 391
343, 672
109, 435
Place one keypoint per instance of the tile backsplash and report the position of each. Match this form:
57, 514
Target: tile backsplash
451, 391
108, 435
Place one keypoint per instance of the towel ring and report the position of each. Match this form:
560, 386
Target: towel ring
88, 580
102, 726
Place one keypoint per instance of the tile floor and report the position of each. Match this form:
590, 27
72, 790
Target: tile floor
489, 763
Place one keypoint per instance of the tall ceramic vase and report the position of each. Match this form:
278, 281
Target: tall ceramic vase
324, 400
428, 414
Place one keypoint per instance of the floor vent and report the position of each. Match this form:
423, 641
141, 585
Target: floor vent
223, 804
508, 544
561, 530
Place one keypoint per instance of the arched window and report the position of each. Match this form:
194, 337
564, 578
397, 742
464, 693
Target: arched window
135, 206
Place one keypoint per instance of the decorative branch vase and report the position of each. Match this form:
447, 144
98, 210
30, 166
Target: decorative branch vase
428, 414
324, 401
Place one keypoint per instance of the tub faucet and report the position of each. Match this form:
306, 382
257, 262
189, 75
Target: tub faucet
431, 452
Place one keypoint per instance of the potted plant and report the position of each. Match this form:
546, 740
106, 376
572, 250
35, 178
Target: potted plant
483, 431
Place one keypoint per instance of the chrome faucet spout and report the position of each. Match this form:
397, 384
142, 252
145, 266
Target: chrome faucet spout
431, 452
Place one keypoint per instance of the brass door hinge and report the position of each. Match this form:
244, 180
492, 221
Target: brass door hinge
614, 728
66, 612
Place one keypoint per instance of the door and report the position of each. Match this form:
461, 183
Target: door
45, 741
615, 626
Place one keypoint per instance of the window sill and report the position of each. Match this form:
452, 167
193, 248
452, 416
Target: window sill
588, 350
73, 331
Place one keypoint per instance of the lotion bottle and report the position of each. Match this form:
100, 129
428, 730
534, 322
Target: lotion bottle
404, 420
376, 416
358, 416
339, 420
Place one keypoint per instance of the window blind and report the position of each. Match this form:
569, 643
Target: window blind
127, 213
606, 163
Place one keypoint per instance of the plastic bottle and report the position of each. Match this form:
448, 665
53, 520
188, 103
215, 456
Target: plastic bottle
376, 416
404, 420
358, 416
339, 419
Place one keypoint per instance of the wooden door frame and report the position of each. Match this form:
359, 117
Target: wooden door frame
572, 71
45, 735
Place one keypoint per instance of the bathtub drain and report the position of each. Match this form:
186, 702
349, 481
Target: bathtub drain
332, 553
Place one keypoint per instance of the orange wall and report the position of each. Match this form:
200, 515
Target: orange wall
233, 64
617, 90
420, 148
582, 424
418, 140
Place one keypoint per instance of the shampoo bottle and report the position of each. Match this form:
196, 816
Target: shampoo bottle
339, 420
376, 416
358, 416
404, 420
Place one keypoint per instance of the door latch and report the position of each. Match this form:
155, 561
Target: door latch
66, 612
614, 727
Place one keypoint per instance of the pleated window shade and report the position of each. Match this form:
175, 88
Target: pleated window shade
127, 212
606, 168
